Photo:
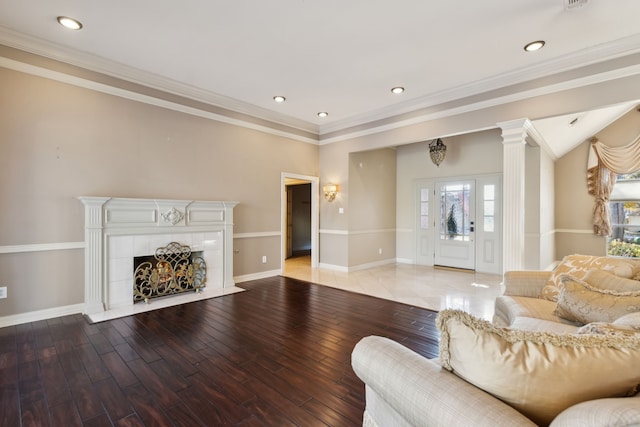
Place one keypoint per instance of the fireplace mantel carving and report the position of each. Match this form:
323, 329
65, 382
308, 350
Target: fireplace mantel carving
108, 218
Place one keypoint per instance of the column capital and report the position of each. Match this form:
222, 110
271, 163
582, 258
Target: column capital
515, 131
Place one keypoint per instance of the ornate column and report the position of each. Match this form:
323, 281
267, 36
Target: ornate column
93, 254
514, 134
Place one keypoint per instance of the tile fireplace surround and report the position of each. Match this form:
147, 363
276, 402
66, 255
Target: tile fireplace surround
118, 229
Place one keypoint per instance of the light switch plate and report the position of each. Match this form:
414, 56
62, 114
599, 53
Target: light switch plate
3, 292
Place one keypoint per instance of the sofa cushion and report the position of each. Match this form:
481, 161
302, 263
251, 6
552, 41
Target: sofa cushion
539, 325
579, 265
510, 308
602, 279
583, 303
601, 412
538, 373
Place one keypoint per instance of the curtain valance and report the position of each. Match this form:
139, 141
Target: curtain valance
603, 165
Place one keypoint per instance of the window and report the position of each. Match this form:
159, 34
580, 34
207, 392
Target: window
624, 209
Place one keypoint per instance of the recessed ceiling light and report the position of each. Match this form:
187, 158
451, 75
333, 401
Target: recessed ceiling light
279, 98
323, 114
69, 23
397, 90
533, 46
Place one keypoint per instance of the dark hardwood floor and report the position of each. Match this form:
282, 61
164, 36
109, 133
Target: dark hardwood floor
275, 355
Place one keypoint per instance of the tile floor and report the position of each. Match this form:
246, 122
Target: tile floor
426, 287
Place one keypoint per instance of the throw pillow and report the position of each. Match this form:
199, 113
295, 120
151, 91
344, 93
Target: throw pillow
602, 279
579, 265
632, 320
538, 373
580, 302
604, 328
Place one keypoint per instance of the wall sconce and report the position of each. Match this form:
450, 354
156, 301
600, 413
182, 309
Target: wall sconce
330, 191
437, 151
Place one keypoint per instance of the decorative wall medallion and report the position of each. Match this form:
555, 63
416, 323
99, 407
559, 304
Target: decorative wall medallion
173, 216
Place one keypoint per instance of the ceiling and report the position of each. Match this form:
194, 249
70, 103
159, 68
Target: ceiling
341, 57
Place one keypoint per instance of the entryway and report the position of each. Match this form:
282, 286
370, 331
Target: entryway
459, 223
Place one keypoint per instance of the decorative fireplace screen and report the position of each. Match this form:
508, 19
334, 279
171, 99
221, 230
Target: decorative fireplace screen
173, 269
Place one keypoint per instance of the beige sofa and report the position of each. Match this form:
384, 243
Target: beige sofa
531, 297
536, 364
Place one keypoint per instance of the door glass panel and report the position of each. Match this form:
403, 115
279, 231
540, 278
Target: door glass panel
454, 212
424, 222
489, 208
424, 208
489, 224
489, 192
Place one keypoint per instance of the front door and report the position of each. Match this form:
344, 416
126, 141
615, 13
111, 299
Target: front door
455, 224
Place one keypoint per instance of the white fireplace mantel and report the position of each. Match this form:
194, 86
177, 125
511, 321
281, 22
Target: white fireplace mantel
109, 218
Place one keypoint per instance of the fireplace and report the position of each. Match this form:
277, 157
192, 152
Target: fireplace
118, 230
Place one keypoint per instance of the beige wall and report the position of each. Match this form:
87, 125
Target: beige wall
59, 141
547, 211
471, 117
334, 226
372, 196
574, 205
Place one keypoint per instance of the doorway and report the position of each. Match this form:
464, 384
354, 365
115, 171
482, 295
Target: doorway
300, 207
298, 241
459, 223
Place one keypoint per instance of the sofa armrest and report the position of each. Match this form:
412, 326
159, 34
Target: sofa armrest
525, 283
423, 393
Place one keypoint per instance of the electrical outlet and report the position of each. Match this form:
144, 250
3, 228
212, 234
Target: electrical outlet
380, 251
3, 292
264, 259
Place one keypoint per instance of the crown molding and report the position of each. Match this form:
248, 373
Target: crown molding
146, 99
586, 57
109, 68
539, 140
500, 89
484, 102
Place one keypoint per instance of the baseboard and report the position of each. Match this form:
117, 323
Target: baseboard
405, 261
372, 264
35, 316
256, 276
333, 267
357, 267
